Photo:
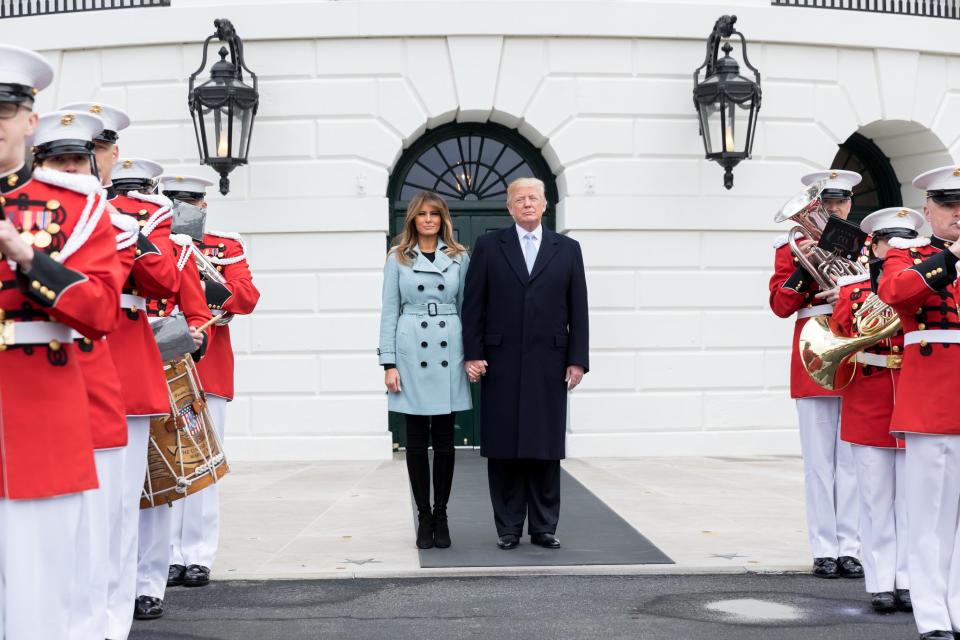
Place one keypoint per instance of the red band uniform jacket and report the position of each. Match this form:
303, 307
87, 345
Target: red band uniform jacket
108, 422
919, 281
792, 290
868, 400
46, 447
239, 296
154, 275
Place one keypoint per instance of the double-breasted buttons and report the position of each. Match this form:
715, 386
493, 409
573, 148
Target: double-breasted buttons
423, 324
423, 344
423, 364
442, 324
443, 344
440, 287
444, 363
419, 287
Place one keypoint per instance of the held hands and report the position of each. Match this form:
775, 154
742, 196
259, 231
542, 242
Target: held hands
806, 245
391, 378
475, 369
829, 296
14, 247
574, 376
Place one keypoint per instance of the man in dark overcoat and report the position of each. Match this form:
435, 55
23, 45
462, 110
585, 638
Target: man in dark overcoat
525, 335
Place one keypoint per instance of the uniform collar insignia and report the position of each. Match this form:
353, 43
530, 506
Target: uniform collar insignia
14, 179
940, 243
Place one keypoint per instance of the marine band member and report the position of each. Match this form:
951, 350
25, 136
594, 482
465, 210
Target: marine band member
830, 480
919, 282
865, 414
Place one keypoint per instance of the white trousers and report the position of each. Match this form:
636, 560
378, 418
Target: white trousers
38, 562
883, 517
122, 583
830, 480
933, 499
195, 521
98, 553
154, 563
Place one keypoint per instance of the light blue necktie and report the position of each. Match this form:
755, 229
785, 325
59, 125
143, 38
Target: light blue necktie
529, 251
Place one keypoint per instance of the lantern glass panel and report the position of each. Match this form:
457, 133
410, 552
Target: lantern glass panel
711, 122
244, 127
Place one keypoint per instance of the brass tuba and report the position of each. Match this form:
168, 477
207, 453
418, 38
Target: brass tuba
806, 211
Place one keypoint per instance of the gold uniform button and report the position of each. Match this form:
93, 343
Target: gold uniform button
856, 289
921, 327
924, 343
143, 223
53, 205
54, 345
855, 306
87, 341
895, 349
142, 212
917, 261
3, 200
35, 284
864, 259
51, 294
160, 313
54, 254
137, 252
939, 269
43, 290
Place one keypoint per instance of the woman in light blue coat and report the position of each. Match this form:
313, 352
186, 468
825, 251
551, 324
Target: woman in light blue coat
421, 350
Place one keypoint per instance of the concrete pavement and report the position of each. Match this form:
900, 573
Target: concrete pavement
354, 519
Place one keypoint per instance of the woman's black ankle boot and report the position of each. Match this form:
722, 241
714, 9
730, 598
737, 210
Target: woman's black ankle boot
424, 530
441, 530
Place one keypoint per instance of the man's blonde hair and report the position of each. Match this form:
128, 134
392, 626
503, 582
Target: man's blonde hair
520, 183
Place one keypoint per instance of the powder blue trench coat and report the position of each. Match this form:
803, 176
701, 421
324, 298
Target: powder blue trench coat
420, 332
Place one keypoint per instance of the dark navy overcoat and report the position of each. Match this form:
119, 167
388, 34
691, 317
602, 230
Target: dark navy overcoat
529, 328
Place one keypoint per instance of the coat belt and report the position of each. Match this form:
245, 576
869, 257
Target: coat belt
931, 335
819, 310
877, 360
429, 309
128, 301
19, 333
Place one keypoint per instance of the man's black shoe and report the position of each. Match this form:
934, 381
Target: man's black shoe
175, 575
825, 568
850, 567
937, 635
147, 608
884, 602
545, 540
903, 600
196, 576
508, 541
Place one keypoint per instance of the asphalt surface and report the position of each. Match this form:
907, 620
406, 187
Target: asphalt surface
718, 607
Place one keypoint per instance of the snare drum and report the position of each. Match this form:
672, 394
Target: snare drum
184, 455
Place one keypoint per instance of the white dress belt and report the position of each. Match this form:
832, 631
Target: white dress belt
14, 333
819, 310
877, 360
932, 335
128, 301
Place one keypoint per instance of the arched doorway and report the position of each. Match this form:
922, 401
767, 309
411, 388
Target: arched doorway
880, 187
470, 165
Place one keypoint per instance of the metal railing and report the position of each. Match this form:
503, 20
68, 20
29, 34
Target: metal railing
925, 8
22, 8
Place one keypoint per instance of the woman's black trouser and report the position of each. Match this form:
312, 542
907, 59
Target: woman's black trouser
419, 431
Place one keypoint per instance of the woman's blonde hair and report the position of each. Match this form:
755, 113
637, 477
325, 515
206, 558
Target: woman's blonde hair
408, 239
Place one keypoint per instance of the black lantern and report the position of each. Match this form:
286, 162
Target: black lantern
223, 107
727, 103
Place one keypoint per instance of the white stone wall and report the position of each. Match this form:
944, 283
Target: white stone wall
686, 357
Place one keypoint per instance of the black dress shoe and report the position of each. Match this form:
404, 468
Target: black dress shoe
175, 575
825, 568
508, 542
937, 635
196, 576
147, 608
884, 602
545, 540
903, 600
441, 528
850, 567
